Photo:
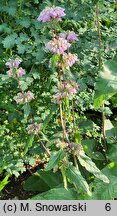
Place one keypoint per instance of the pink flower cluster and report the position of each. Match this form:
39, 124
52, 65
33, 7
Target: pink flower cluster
70, 36
69, 59
13, 63
33, 128
14, 68
66, 89
50, 13
61, 43
58, 45
24, 97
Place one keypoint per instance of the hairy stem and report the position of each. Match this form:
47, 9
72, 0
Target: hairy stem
63, 124
62, 71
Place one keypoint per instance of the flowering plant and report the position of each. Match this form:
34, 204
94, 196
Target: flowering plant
50, 13
66, 91
54, 109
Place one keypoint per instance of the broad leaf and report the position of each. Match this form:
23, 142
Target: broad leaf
54, 160
112, 153
42, 181
102, 191
75, 177
57, 194
112, 135
106, 84
89, 145
9, 41
90, 166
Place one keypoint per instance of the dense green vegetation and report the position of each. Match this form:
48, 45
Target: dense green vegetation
73, 136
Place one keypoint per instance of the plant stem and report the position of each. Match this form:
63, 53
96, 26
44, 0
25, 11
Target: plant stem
73, 115
63, 123
46, 150
99, 31
62, 71
75, 161
20, 8
103, 128
116, 8
64, 177
100, 61
75, 187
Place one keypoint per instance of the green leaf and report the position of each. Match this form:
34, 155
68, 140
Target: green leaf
23, 85
75, 177
35, 183
16, 173
54, 60
85, 124
112, 153
108, 124
114, 101
28, 144
112, 135
5, 28
4, 182
89, 145
57, 194
49, 117
9, 41
21, 48
4, 79
29, 80
94, 2
25, 22
44, 137
106, 84
26, 110
77, 137
42, 181
30, 141
90, 166
54, 159
99, 101
102, 191
32, 161
97, 156
11, 10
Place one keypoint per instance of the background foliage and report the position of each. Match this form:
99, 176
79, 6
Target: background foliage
21, 35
